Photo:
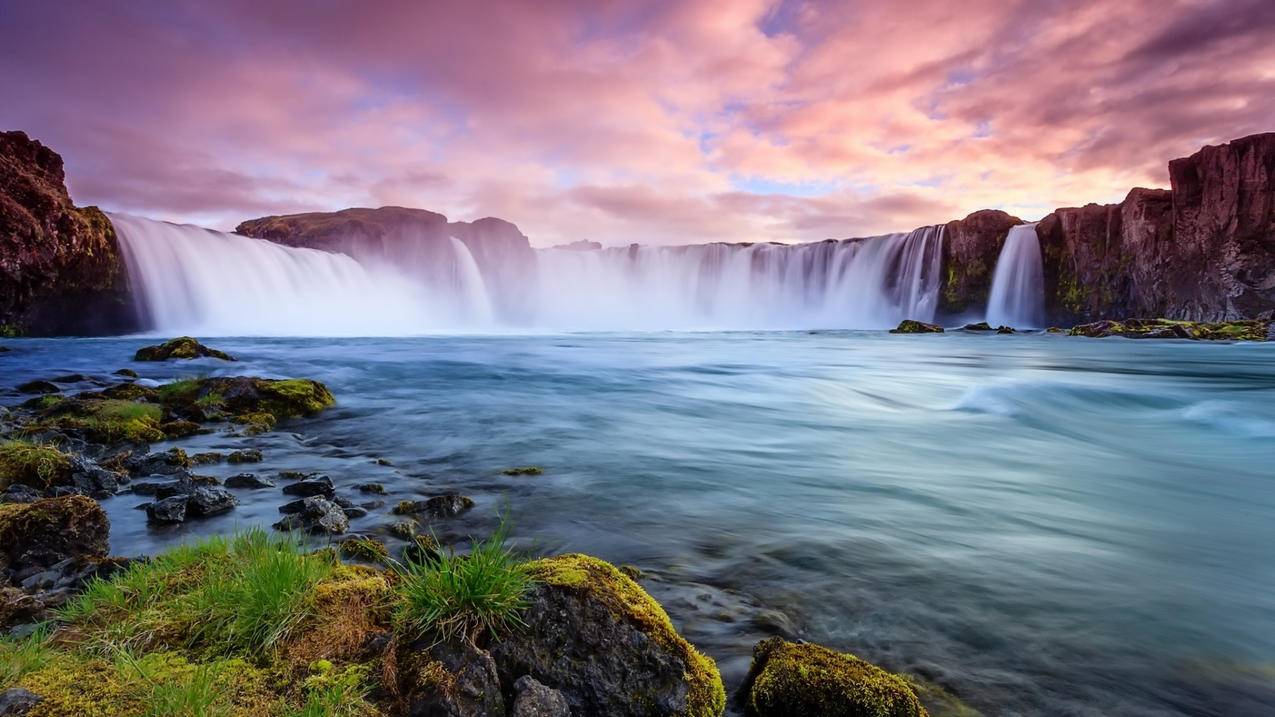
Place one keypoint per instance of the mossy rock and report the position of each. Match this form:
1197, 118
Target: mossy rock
182, 347
105, 420
48, 531
598, 637
911, 326
1242, 330
33, 464
789, 679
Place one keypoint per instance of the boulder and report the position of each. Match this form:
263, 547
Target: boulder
448, 505
246, 455
789, 679
608, 647
182, 347
248, 480
167, 511
210, 500
321, 485
51, 530
535, 700
17, 702
313, 515
911, 326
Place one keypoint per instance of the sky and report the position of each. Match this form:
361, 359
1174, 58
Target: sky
618, 122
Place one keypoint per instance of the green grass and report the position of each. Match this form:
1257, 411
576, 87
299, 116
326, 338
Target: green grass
451, 595
333, 693
196, 693
238, 596
33, 464
18, 657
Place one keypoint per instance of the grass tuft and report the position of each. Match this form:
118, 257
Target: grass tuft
21, 656
33, 464
452, 595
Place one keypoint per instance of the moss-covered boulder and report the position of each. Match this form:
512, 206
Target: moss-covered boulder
1242, 330
790, 679
40, 534
140, 414
595, 635
911, 326
33, 464
182, 347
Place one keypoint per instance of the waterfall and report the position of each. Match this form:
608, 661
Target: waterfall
192, 280
867, 284
1018, 286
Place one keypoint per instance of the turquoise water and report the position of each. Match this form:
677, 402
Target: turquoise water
1043, 525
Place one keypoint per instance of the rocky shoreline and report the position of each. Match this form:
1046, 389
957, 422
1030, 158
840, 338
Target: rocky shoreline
88, 633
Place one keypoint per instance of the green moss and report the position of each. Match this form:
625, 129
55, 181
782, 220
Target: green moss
911, 326
182, 347
791, 678
369, 549
106, 420
626, 599
256, 423
12, 331
33, 464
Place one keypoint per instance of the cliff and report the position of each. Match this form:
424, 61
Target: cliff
1203, 250
61, 271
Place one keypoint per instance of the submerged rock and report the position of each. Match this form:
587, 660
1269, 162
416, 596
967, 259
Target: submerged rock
606, 645
980, 326
246, 455
789, 679
38, 387
248, 480
910, 326
167, 511
182, 347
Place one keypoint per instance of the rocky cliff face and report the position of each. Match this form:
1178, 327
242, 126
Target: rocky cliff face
61, 271
1203, 251
970, 248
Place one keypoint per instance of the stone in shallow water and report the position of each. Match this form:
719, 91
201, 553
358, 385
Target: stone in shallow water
167, 511
206, 501
247, 455
314, 515
322, 485
789, 678
911, 326
448, 505
182, 347
248, 480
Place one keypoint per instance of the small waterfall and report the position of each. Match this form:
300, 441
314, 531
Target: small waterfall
1018, 286
192, 280
470, 289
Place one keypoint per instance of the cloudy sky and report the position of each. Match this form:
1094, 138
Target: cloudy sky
672, 122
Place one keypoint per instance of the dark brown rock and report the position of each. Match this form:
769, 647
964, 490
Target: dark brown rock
61, 271
970, 249
49, 531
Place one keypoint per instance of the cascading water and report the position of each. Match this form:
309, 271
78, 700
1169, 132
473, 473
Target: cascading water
866, 284
1018, 286
194, 280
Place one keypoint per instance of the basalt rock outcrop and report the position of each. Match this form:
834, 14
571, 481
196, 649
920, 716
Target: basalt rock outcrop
61, 271
1203, 250
970, 248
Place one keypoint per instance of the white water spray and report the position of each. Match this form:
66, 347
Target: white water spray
195, 280
1018, 286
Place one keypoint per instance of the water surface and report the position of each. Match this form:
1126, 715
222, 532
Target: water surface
1043, 525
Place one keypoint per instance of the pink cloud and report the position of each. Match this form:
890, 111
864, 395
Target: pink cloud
618, 121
